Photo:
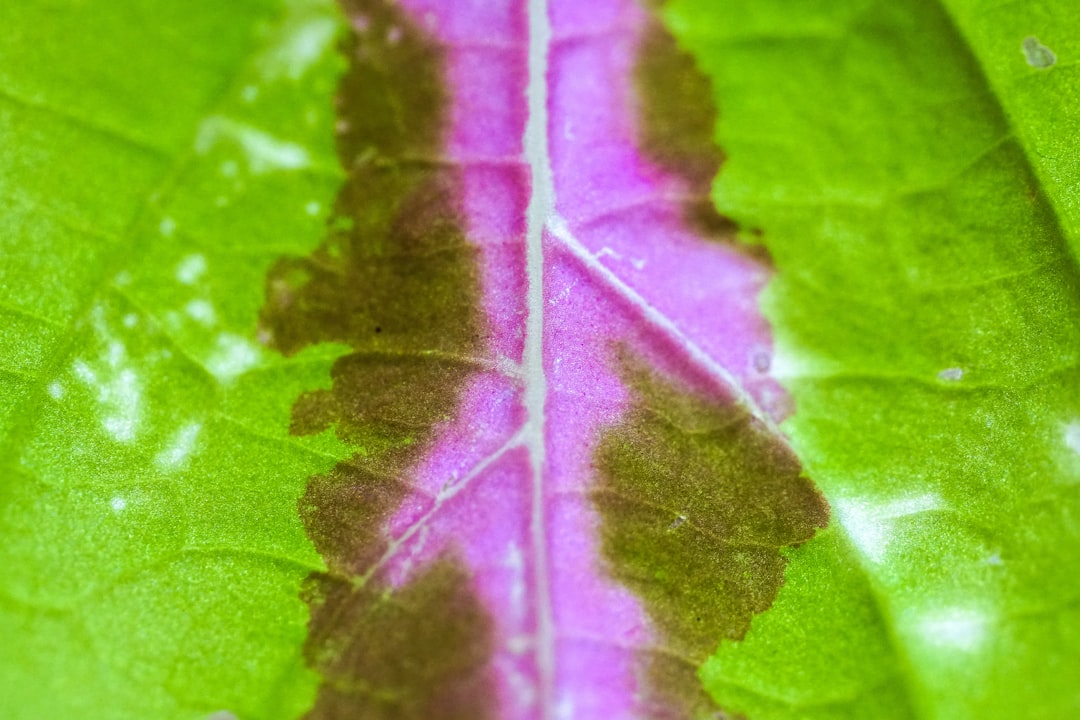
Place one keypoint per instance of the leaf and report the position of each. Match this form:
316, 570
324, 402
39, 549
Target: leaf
489, 390
906, 163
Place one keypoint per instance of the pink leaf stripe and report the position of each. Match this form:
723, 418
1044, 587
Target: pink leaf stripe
585, 257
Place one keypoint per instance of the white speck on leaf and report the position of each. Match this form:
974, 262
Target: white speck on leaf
118, 503
1037, 54
123, 397
263, 151
679, 520
116, 386
301, 40
181, 447
191, 269
84, 372
951, 374
117, 354
201, 311
167, 226
234, 356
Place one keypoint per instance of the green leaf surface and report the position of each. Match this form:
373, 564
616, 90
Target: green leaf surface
158, 158
912, 168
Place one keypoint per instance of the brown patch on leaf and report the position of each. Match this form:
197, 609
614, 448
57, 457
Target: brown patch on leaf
676, 126
395, 280
417, 652
697, 500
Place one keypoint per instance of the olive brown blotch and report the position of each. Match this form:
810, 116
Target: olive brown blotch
396, 281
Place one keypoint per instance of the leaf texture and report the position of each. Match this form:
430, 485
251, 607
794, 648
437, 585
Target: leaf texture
403, 358
925, 306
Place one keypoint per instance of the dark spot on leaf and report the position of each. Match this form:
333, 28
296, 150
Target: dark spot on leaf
744, 498
395, 259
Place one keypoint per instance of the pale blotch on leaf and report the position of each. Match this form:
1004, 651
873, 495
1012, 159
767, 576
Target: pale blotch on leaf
1037, 54
56, 390
131, 320
313, 208
167, 226
201, 311
115, 384
262, 151
306, 35
869, 525
249, 93
234, 356
123, 395
118, 503
180, 448
191, 269
85, 373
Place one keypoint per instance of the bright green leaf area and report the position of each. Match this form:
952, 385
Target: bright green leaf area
157, 158
915, 179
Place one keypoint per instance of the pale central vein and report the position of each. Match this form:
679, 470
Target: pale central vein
541, 207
